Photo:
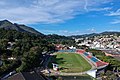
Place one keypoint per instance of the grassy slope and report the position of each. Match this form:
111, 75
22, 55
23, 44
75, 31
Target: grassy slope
71, 62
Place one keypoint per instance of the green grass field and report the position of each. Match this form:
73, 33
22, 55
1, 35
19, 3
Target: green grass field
71, 62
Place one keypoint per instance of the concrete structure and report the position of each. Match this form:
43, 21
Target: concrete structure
92, 73
55, 67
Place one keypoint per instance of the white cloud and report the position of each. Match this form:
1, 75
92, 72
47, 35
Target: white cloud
114, 30
116, 13
46, 11
92, 30
62, 32
117, 21
101, 9
86, 4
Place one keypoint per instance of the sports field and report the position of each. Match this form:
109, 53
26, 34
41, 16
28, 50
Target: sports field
71, 62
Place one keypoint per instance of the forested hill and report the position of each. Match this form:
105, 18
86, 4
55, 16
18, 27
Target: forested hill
9, 30
58, 39
21, 28
25, 48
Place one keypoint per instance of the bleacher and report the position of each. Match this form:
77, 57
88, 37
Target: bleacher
101, 63
61, 50
89, 56
68, 50
96, 61
86, 54
80, 51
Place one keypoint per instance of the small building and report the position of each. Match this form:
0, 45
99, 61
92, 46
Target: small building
72, 47
11, 58
61, 47
55, 67
92, 73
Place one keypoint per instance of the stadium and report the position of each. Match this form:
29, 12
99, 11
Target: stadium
97, 64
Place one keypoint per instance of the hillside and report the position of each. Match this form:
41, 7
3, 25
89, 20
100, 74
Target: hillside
7, 25
58, 39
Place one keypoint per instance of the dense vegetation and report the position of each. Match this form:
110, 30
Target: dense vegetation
57, 39
25, 48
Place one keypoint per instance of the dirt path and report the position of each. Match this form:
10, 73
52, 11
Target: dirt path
65, 74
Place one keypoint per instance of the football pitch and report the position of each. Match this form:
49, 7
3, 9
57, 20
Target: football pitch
71, 62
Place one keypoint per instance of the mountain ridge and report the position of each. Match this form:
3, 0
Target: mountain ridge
18, 27
23, 28
95, 34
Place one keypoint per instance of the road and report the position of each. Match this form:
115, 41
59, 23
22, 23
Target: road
45, 61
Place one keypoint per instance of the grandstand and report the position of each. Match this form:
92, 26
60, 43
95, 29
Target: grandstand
98, 63
80, 51
68, 50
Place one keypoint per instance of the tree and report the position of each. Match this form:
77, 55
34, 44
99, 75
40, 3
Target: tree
32, 57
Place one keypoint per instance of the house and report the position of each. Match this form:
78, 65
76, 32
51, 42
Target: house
72, 47
10, 44
11, 58
55, 67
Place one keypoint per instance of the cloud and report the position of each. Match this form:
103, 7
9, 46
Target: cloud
62, 32
86, 4
46, 11
68, 33
101, 9
116, 15
117, 21
113, 30
92, 30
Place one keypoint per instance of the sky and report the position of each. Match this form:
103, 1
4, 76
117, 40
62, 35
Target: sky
63, 17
